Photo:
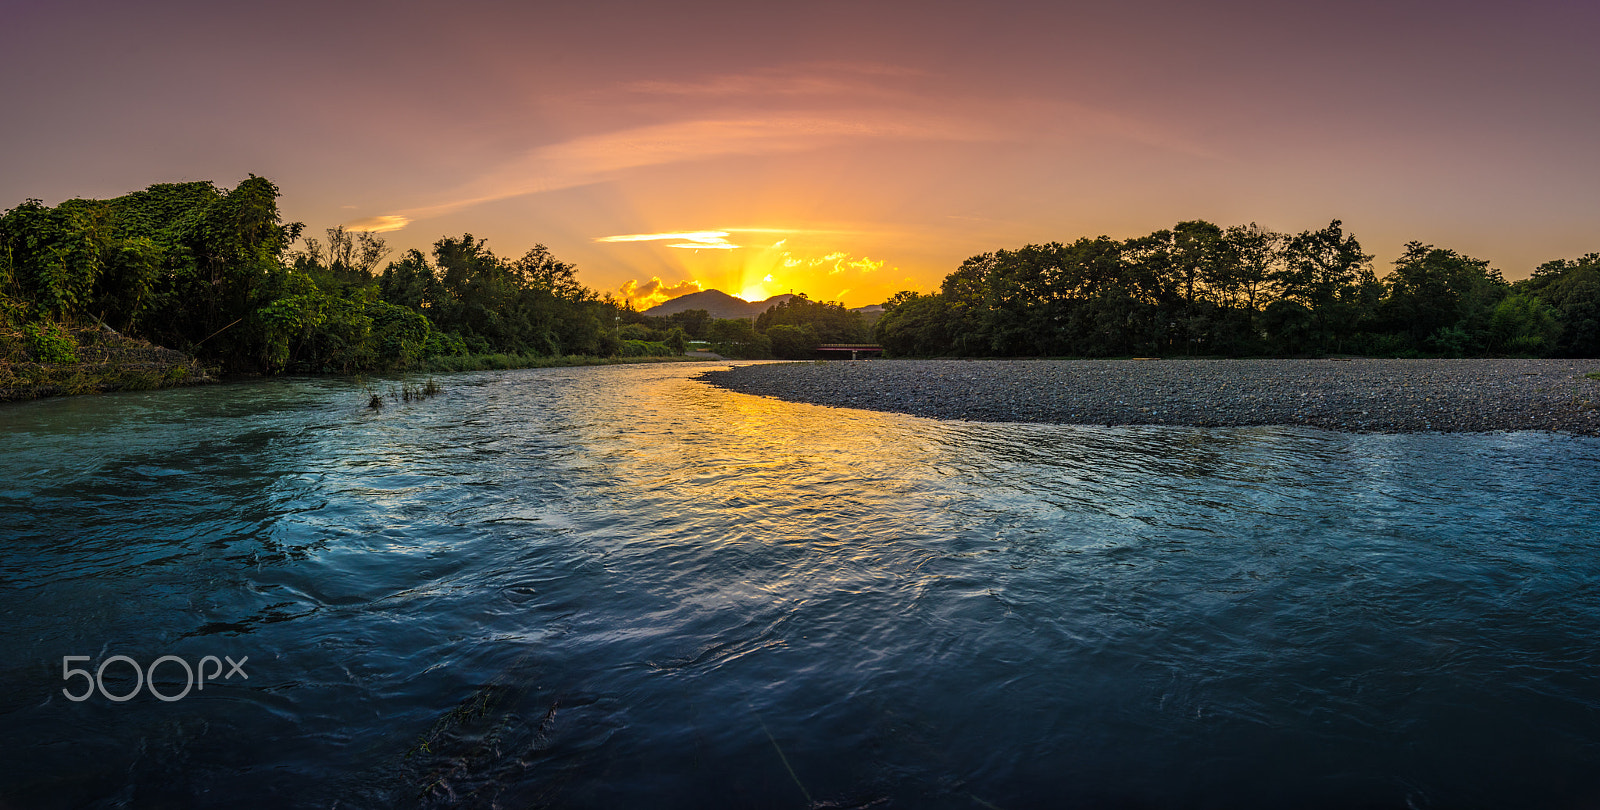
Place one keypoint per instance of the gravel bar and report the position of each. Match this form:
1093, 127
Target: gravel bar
1354, 395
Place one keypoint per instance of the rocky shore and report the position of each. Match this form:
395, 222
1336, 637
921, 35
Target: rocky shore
102, 361
1356, 395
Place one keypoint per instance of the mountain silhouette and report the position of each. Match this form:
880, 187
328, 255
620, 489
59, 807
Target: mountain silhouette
718, 303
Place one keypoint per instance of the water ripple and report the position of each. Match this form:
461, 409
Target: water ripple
618, 586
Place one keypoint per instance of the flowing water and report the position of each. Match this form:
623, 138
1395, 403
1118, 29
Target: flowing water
622, 587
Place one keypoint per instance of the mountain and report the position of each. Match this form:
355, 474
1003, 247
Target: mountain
718, 303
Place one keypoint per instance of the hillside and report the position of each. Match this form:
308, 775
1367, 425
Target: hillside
718, 303
723, 305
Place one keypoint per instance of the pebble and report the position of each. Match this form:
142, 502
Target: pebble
1356, 395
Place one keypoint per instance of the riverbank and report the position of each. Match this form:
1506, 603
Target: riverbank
102, 361
1355, 395
111, 362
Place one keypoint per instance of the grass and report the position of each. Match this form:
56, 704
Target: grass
407, 392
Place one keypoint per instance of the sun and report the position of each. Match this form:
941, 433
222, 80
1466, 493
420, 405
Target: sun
757, 291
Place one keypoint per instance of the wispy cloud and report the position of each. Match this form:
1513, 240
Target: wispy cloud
390, 222
694, 240
594, 158
784, 111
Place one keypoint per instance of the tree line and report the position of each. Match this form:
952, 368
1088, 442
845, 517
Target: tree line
1200, 289
788, 330
216, 273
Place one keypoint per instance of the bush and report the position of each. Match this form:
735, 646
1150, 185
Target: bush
644, 348
1524, 325
636, 331
444, 344
51, 343
402, 335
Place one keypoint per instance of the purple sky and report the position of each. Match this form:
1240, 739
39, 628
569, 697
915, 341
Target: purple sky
846, 150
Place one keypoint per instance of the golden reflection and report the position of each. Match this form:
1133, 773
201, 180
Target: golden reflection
765, 460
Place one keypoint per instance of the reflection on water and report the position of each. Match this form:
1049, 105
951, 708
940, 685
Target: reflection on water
619, 586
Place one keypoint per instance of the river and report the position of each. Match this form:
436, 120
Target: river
623, 587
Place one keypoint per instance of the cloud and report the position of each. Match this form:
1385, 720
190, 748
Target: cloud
655, 291
598, 157
694, 240
836, 262
682, 141
782, 111
380, 224
718, 240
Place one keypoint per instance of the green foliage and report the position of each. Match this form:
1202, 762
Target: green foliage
533, 304
642, 348
400, 336
1441, 300
1201, 289
635, 331
915, 325
1571, 289
1326, 272
53, 257
738, 338
677, 341
793, 342
209, 270
825, 322
1523, 324
731, 330
440, 344
176, 263
50, 343
693, 322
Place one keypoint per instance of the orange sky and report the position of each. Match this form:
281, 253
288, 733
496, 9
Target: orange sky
844, 150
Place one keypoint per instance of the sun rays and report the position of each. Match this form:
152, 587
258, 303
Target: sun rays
799, 262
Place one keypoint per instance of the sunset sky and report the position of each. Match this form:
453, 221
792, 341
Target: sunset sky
845, 150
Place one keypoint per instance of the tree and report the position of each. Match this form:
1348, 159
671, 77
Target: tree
916, 325
1523, 324
1433, 290
1326, 272
826, 322
677, 341
790, 342
1255, 253
1571, 287
737, 337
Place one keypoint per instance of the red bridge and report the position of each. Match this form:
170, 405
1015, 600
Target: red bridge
853, 348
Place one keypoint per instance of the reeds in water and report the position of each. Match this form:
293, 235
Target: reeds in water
406, 392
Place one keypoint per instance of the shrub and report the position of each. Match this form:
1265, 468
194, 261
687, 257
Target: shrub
51, 343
